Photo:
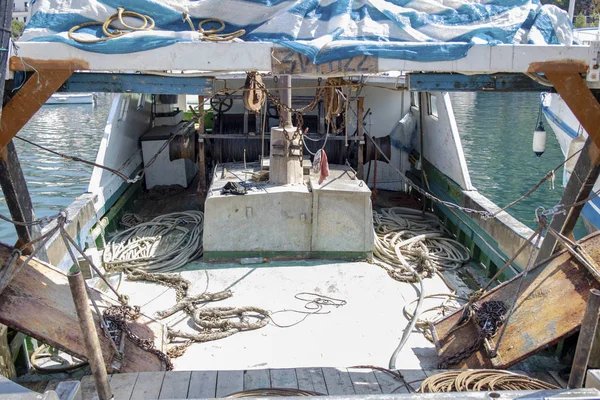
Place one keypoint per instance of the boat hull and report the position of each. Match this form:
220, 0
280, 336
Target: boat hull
567, 128
83, 98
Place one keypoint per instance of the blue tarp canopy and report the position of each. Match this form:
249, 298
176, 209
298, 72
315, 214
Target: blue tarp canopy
323, 30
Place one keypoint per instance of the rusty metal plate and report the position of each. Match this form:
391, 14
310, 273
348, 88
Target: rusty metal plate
287, 61
551, 307
38, 303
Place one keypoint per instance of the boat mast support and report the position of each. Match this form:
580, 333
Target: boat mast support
584, 105
28, 100
18, 199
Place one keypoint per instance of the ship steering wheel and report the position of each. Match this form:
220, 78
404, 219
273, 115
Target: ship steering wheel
221, 103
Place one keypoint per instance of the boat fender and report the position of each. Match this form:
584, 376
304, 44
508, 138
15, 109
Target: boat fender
539, 140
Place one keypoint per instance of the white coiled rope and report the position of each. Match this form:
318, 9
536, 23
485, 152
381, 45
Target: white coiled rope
411, 245
163, 244
420, 238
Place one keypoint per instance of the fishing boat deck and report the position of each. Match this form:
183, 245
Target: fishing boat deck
365, 330
211, 383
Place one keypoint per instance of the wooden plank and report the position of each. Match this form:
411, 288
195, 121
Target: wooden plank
229, 382
7, 365
28, 100
288, 61
37, 304
175, 385
203, 385
257, 379
17, 197
559, 380
284, 378
364, 381
544, 376
388, 383
88, 388
122, 385
16, 344
550, 307
311, 379
338, 381
5, 36
413, 377
147, 386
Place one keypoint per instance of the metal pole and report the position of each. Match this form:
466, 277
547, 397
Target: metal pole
586, 340
5, 32
90, 335
285, 94
571, 10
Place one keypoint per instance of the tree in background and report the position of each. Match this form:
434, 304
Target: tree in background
16, 28
585, 13
585, 7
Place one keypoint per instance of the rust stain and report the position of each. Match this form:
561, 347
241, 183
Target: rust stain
28, 100
558, 66
555, 297
28, 64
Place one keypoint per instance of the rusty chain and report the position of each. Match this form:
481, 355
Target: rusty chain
117, 317
489, 317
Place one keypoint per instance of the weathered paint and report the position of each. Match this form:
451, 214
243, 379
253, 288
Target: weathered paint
28, 100
138, 83
17, 197
552, 292
38, 303
448, 82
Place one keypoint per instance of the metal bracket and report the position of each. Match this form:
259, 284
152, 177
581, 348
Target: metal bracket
593, 74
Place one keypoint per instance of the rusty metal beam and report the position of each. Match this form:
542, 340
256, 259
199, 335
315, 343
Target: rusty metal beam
29, 64
28, 100
579, 98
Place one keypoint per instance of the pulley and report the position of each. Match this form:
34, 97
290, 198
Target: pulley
183, 146
370, 150
254, 96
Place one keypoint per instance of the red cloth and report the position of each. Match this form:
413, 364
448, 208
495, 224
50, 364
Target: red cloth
324, 167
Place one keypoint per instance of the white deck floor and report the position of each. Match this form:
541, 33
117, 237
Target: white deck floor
363, 332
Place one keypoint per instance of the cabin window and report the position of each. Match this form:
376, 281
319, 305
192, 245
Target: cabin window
414, 99
26, 4
24, 19
432, 105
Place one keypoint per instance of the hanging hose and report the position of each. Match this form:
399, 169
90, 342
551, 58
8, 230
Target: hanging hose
112, 32
163, 244
214, 34
64, 366
411, 245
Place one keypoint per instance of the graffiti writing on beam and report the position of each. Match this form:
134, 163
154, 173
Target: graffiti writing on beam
287, 61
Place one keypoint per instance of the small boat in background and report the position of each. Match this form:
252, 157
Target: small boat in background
72, 98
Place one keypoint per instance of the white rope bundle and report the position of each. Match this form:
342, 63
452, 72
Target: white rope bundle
163, 244
421, 240
411, 245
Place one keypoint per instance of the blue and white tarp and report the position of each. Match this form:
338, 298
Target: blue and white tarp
323, 30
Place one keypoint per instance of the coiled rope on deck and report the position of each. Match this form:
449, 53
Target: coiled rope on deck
411, 245
420, 238
481, 380
163, 244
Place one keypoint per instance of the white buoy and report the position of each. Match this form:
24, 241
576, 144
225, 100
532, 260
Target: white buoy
539, 140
